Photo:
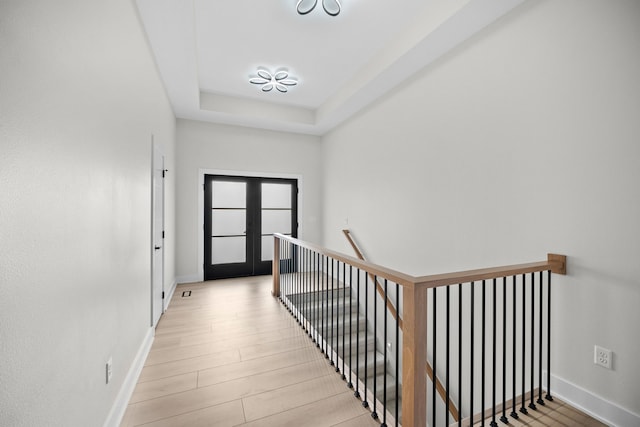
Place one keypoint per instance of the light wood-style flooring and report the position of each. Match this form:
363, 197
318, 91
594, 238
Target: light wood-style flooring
555, 413
232, 355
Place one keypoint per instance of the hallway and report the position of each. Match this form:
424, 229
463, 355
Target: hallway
230, 355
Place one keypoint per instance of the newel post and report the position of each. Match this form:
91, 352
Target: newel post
414, 356
276, 267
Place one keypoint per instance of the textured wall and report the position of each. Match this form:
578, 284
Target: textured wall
79, 100
523, 141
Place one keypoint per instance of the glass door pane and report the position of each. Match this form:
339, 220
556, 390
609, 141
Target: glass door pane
276, 212
228, 222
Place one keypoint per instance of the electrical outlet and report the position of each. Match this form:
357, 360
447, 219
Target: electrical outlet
602, 357
109, 370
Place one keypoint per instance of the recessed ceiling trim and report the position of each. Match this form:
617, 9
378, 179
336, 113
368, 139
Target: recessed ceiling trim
253, 109
170, 27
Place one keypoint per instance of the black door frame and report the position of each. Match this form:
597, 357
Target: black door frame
254, 265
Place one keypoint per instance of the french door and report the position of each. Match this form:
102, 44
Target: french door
241, 214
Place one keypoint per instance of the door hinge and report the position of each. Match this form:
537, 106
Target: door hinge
164, 172
162, 294
163, 234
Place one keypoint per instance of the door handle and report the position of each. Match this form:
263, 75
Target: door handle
158, 248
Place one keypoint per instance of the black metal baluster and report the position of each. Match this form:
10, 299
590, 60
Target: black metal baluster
314, 287
336, 304
296, 287
337, 320
540, 400
350, 384
471, 348
285, 267
504, 418
334, 315
293, 284
532, 405
309, 295
483, 367
280, 275
327, 341
384, 381
319, 300
459, 351
344, 309
334, 323
316, 298
548, 396
374, 413
325, 306
493, 365
314, 294
397, 352
514, 401
356, 393
288, 278
302, 288
300, 285
303, 296
435, 359
365, 403
524, 343
446, 352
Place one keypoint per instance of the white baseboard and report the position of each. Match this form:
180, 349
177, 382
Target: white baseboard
599, 408
169, 295
192, 278
124, 395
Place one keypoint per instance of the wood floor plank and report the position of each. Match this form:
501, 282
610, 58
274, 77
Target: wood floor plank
231, 355
248, 368
165, 386
293, 396
255, 351
321, 413
364, 420
202, 397
224, 415
169, 369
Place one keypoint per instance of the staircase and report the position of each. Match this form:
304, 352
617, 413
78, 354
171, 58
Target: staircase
339, 327
491, 325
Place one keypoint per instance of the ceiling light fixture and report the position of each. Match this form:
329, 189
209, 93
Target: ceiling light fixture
332, 7
280, 80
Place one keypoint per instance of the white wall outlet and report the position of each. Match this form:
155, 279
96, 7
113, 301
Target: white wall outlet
109, 370
602, 357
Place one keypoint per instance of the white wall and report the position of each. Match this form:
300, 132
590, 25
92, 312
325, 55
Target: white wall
523, 141
79, 99
230, 148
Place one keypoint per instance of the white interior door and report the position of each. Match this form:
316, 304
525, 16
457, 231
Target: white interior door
157, 257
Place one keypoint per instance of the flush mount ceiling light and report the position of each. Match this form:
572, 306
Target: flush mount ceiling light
280, 80
332, 7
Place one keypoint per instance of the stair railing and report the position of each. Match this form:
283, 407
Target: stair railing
307, 279
394, 313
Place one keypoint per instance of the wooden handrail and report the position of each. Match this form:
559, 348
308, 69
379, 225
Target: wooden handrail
441, 390
414, 348
555, 263
360, 256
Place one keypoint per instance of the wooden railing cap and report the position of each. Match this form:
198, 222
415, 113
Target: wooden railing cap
556, 263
